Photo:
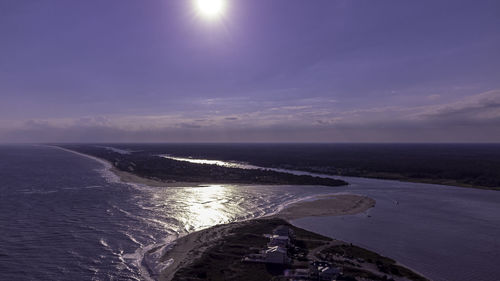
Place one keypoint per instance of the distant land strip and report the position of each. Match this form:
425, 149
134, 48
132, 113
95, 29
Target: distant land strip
150, 169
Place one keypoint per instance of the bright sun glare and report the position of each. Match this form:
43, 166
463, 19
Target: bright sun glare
210, 8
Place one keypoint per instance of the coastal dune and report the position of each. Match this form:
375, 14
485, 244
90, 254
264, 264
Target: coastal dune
192, 246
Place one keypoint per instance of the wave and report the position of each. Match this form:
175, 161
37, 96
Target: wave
171, 212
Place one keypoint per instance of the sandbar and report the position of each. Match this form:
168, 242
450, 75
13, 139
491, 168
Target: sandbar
190, 247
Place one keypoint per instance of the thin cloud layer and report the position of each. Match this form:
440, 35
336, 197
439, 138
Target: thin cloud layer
483, 107
271, 71
466, 119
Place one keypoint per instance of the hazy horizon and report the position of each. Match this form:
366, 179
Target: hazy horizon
240, 142
261, 71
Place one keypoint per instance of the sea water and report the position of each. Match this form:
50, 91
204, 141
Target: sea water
446, 233
64, 216
67, 217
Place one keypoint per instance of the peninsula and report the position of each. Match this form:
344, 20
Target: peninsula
149, 168
272, 248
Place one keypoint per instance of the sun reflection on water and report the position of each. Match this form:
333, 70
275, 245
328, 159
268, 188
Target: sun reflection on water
206, 206
211, 162
182, 210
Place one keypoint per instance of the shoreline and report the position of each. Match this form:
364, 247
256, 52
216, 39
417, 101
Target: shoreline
131, 178
376, 176
327, 205
187, 249
126, 177
184, 246
403, 178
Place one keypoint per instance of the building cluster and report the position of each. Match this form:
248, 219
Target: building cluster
278, 248
317, 270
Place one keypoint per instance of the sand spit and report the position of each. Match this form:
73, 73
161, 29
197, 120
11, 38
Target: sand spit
126, 177
129, 177
190, 247
331, 205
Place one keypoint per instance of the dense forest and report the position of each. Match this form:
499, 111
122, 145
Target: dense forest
148, 164
472, 165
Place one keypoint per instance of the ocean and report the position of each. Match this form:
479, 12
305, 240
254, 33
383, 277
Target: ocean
445, 233
67, 217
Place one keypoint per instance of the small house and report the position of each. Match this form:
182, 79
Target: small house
328, 273
276, 240
277, 255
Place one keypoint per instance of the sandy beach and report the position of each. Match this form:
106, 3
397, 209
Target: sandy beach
131, 178
332, 205
188, 248
127, 177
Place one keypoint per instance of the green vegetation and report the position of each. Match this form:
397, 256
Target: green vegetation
384, 264
223, 261
149, 165
468, 165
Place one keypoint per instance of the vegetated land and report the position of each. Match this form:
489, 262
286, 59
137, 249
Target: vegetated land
148, 164
469, 165
223, 260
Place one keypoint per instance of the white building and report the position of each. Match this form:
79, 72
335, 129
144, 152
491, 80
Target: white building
328, 273
324, 271
276, 254
276, 240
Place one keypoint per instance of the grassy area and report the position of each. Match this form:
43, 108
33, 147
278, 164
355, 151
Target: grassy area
223, 261
149, 165
402, 177
467, 165
384, 264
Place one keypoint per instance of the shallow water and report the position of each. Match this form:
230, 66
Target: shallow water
446, 233
66, 217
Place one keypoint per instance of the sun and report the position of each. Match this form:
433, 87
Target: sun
210, 9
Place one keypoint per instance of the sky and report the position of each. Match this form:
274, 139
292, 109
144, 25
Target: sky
262, 71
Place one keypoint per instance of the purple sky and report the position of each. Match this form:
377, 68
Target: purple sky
280, 70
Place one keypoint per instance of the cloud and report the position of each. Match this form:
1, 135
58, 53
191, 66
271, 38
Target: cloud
433, 97
188, 126
380, 132
478, 108
473, 118
36, 124
293, 108
102, 121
